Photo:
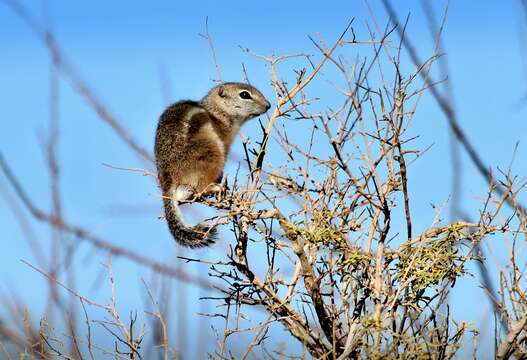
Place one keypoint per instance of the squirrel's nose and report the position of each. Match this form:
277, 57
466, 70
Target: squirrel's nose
267, 106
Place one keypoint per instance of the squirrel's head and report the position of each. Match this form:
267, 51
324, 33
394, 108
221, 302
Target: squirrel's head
240, 102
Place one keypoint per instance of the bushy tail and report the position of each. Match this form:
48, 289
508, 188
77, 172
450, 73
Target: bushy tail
200, 235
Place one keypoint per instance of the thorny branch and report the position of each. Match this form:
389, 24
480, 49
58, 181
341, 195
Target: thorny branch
447, 109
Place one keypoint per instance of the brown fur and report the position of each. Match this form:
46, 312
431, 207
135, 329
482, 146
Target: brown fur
192, 143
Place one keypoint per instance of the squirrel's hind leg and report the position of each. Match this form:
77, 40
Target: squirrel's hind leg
182, 193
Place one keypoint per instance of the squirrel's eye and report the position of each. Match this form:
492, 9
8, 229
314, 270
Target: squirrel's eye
245, 95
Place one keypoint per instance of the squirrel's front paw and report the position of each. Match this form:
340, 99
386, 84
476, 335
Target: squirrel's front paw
212, 190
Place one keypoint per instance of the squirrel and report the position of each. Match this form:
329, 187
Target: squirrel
191, 146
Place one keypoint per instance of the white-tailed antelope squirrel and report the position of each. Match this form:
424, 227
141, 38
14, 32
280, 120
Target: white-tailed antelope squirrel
191, 147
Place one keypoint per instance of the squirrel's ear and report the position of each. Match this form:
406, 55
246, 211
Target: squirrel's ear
221, 92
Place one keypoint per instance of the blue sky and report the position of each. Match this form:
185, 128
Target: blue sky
119, 47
